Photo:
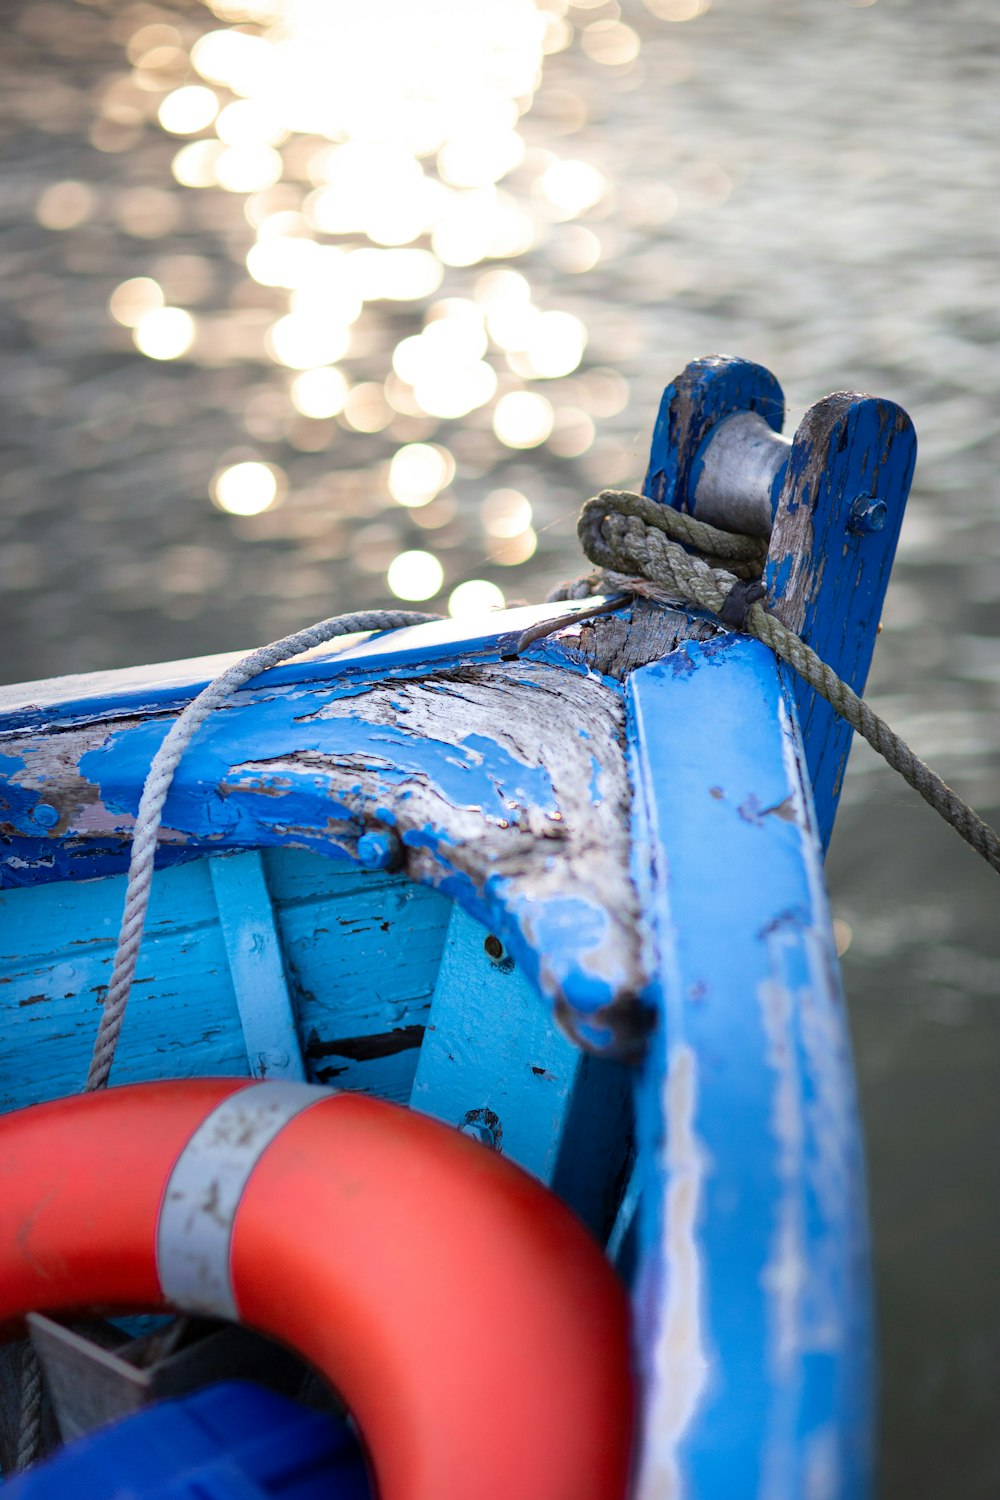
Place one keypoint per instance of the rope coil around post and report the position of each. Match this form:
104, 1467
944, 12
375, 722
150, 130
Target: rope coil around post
639, 547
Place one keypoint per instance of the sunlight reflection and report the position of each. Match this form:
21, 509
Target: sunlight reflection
477, 597
319, 393
415, 575
418, 472
374, 175
522, 419
134, 299
188, 110
246, 489
164, 332
506, 513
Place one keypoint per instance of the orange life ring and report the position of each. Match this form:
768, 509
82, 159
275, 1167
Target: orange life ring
473, 1327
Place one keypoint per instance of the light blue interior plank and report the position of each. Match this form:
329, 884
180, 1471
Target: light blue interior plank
56, 948
494, 1057
256, 966
492, 1046
362, 954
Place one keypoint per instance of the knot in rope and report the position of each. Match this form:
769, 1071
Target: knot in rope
641, 547
633, 538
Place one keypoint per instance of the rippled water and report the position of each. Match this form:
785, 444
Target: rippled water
805, 182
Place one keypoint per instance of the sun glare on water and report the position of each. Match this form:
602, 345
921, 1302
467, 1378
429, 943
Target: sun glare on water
387, 182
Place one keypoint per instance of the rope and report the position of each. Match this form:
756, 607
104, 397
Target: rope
639, 547
154, 795
29, 1432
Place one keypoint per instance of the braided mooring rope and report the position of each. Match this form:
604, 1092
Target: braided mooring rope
640, 546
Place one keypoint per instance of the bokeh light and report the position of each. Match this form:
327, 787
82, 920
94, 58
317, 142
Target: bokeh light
506, 513
134, 299
247, 488
320, 393
64, 205
164, 332
476, 597
523, 419
418, 472
188, 110
415, 575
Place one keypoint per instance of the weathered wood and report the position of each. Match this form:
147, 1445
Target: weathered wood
362, 952
753, 1293
56, 947
837, 494
617, 644
831, 552
505, 783
166, 686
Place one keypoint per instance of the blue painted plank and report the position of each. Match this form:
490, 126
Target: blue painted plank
493, 1052
256, 966
169, 685
494, 1062
753, 1301
56, 947
362, 953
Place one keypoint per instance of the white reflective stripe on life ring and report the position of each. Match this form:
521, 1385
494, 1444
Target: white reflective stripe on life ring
203, 1192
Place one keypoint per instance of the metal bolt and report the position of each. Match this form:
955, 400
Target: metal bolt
45, 815
380, 850
483, 1125
867, 514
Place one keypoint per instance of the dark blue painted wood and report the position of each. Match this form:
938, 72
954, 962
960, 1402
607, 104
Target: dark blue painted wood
838, 509
753, 1297
826, 575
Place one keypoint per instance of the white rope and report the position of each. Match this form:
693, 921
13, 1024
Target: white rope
154, 795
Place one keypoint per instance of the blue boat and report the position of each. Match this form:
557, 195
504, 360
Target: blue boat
554, 879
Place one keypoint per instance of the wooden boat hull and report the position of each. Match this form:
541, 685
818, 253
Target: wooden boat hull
592, 930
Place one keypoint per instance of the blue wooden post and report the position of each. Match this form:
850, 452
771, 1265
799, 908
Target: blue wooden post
836, 495
834, 540
753, 1297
